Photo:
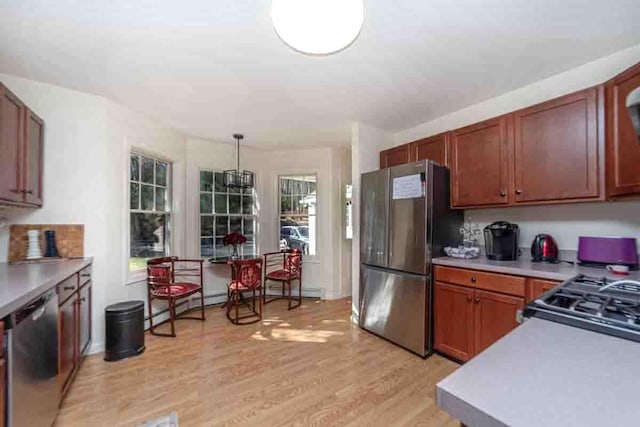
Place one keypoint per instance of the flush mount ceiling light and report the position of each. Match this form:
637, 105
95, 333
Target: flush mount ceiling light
317, 27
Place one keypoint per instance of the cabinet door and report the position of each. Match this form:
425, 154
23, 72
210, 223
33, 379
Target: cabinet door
432, 148
67, 342
537, 287
479, 163
394, 156
33, 158
3, 384
495, 316
556, 149
453, 321
10, 146
622, 140
84, 319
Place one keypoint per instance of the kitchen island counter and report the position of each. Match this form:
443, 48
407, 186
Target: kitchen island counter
546, 374
22, 282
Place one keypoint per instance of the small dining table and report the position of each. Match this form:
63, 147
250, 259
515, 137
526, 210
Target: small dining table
227, 259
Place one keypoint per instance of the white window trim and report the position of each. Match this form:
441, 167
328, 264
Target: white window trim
311, 259
255, 215
132, 277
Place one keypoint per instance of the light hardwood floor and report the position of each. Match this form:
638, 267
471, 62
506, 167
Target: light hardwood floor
309, 366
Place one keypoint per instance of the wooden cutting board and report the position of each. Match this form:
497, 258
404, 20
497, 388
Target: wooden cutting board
69, 240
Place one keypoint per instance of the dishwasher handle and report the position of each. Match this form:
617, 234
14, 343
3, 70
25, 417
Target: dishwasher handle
34, 309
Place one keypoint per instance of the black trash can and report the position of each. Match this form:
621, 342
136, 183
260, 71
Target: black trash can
124, 324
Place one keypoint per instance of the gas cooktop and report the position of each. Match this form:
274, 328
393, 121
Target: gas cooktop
599, 304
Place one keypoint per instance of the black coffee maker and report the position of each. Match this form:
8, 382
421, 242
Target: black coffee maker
501, 241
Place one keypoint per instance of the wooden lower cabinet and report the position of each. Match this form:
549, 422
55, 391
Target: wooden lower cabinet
467, 320
494, 316
67, 339
453, 320
84, 318
74, 329
537, 287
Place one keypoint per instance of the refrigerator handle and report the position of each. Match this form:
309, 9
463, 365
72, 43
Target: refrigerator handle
387, 228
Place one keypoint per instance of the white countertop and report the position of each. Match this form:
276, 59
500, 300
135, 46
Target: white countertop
20, 283
524, 267
547, 374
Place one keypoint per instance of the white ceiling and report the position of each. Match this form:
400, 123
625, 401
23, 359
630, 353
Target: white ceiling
214, 67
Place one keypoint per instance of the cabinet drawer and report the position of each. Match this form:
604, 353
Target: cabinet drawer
536, 287
502, 283
66, 288
85, 275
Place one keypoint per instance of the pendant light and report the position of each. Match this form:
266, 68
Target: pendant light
235, 178
317, 27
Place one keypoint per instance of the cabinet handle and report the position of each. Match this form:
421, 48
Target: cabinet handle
15, 190
469, 299
518, 191
477, 300
473, 279
503, 194
26, 191
86, 274
68, 288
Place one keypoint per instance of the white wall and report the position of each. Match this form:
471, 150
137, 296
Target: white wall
87, 144
366, 143
564, 222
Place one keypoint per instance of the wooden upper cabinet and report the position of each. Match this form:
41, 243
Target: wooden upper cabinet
11, 117
495, 316
432, 148
622, 97
453, 320
556, 149
33, 159
395, 156
480, 163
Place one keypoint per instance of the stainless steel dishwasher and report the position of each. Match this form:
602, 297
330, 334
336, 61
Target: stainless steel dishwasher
32, 347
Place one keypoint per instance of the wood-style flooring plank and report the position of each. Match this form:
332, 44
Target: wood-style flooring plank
309, 367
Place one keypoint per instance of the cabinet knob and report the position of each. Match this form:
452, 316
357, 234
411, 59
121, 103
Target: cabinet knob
477, 300
83, 299
518, 191
469, 299
473, 279
503, 194
15, 190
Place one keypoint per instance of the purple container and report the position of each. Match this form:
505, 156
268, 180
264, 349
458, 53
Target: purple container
608, 250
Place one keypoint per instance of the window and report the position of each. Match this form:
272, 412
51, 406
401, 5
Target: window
149, 209
222, 211
298, 213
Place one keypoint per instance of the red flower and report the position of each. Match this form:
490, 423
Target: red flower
233, 239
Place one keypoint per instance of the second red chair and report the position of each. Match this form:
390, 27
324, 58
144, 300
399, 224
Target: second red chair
246, 277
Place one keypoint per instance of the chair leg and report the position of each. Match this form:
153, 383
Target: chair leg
260, 304
150, 316
172, 315
237, 303
300, 291
202, 303
289, 292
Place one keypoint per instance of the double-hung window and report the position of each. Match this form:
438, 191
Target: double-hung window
222, 211
149, 209
297, 217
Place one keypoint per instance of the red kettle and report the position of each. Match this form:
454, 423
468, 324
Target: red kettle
544, 249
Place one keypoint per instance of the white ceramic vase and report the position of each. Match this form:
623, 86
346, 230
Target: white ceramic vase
33, 250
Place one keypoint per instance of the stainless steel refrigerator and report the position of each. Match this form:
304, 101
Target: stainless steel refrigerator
405, 221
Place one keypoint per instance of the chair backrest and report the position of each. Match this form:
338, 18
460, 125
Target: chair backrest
160, 272
293, 261
248, 272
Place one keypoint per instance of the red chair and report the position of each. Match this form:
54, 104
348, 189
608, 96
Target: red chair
285, 268
246, 276
165, 281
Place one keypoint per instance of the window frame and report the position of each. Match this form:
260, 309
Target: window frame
254, 216
134, 274
279, 215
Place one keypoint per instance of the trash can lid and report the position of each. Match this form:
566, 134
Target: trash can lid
124, 306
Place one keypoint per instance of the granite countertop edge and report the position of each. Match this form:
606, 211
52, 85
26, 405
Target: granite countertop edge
21, 283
